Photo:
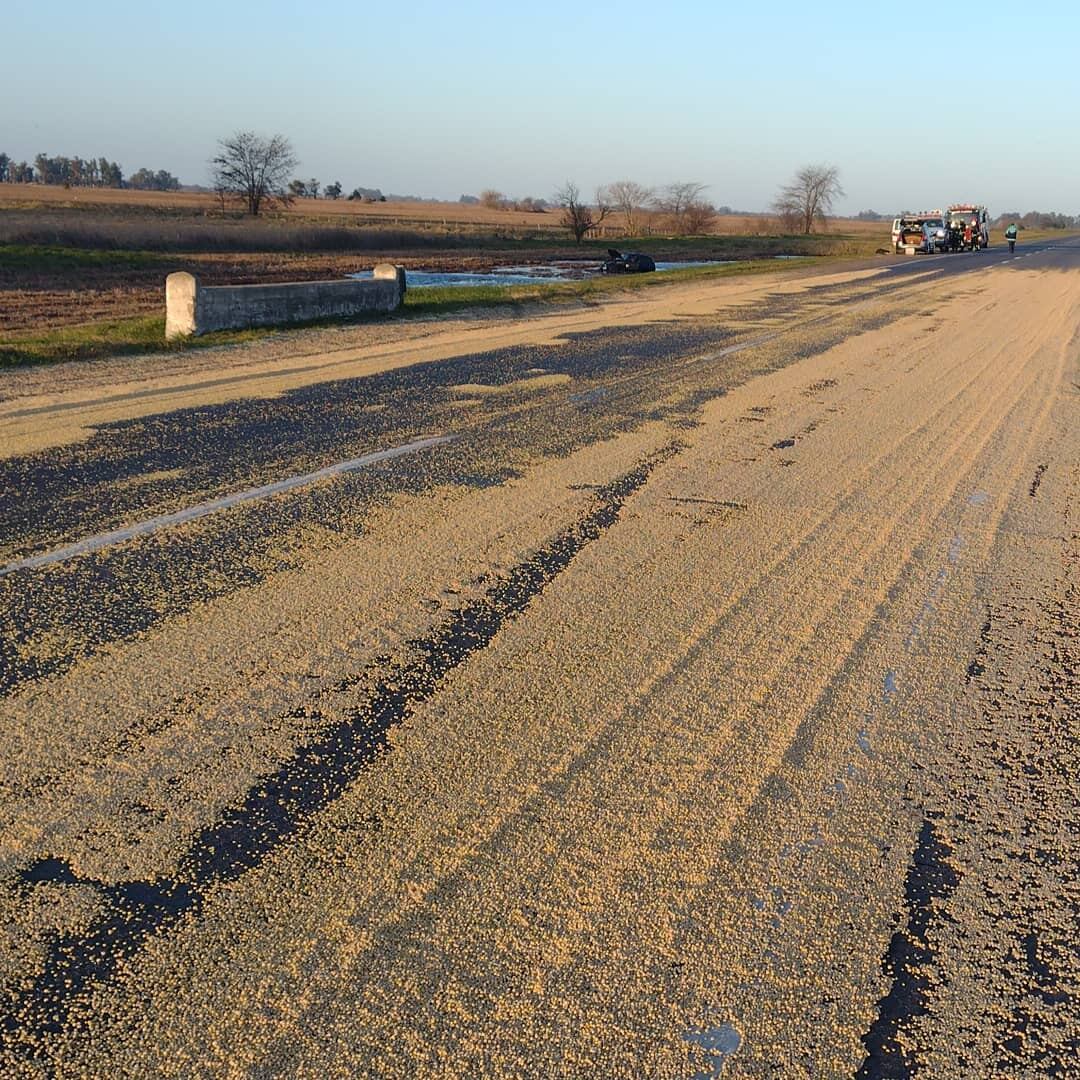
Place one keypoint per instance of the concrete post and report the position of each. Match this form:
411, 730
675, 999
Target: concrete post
181, 291
396, 273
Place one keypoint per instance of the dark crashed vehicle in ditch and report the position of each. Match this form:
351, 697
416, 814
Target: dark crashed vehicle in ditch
632, 262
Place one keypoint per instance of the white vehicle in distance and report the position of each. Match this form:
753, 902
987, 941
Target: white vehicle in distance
910, 234
909, 231
937, 227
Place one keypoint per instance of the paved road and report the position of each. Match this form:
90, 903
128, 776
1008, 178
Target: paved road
682, 688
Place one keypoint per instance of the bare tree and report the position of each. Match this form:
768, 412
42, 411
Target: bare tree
698, 217
254, 169
686, 210
578, 216
492, 199
674, 198
809, 198
629, 198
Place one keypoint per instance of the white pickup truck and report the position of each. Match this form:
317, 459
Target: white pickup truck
923, 233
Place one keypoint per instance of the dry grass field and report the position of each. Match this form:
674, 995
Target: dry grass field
434, 215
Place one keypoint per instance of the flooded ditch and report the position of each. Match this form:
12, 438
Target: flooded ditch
540, 274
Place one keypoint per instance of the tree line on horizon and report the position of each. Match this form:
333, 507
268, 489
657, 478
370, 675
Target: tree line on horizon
310, 189
1041, 219
258, 172
803, 203
255, 171
681, 205
76, 171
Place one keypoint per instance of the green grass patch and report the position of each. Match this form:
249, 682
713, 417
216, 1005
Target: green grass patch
43, 258
112, 337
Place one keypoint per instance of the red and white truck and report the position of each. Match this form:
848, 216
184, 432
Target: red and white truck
973, 217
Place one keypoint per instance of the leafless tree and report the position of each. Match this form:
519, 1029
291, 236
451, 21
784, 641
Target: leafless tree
254, 169
629, 198
578, 216
808, 199
492, 199
684, 206
674, 198
698, 216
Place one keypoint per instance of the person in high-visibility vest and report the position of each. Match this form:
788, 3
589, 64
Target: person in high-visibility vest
1010, 235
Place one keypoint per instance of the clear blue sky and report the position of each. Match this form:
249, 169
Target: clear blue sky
440, 99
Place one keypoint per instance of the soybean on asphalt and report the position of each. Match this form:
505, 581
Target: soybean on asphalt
187, 456
619, 736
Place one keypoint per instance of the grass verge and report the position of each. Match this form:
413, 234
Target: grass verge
112, 337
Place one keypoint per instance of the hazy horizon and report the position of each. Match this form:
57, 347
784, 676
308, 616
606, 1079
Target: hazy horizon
451, 102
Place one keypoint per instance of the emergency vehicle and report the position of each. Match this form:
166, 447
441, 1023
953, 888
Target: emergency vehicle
965, 215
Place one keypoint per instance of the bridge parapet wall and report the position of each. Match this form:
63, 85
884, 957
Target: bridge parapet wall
192, 309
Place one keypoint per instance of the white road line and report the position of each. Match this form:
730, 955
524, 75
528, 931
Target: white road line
193, 513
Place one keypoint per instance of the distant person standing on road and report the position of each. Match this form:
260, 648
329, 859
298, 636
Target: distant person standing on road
1010, 235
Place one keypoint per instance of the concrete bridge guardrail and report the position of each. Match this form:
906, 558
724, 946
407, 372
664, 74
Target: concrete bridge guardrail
191, 308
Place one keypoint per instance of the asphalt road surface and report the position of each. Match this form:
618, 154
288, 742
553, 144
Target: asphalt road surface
684, 686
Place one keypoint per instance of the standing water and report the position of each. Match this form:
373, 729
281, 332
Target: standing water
522, 275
